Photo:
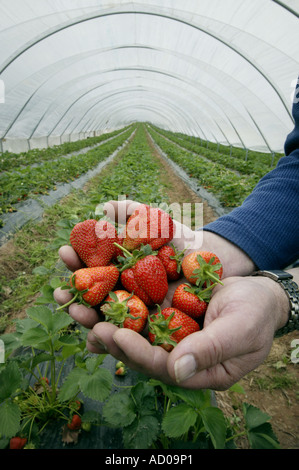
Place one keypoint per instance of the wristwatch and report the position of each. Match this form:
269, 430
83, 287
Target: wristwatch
292, 291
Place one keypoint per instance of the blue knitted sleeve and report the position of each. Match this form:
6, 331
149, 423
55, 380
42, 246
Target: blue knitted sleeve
266, 225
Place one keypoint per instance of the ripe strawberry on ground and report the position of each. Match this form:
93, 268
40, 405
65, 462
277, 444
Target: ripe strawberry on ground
17, 442
169, 326
172, 261
91, 285
93, 241
125, 310
143, 273
191, 300
148, 226
75, 423
202, 268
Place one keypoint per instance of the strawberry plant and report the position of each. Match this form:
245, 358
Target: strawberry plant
39, 180
154, 415
31, 394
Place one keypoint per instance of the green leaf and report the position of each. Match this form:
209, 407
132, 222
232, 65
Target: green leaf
215, 425
10, 416
92, 363
46, 296
237, 388
70, 386
96, 386
197, 398
91, 417
263, 437
41, 315
11, 342
41, 270
35, 337
119, 410
254, 416
144, 398
67, 340
141, 433
60, 320
10, 380
178, 420
55, 282
38, 359
69, 350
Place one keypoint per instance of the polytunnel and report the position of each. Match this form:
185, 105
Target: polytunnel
224, 71
149, 218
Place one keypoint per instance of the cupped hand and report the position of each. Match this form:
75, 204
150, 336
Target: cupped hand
237, 336
238, 330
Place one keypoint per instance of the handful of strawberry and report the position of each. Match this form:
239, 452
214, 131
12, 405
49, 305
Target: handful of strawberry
139, 264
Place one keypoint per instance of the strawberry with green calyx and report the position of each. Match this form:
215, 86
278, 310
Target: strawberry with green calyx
120, 368
93, 241
125, 310
172, 261
202, 268
91, 285
148, 226
192, 300
143, 273
170, 326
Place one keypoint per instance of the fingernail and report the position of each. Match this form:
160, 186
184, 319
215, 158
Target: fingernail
98, 341
184, 367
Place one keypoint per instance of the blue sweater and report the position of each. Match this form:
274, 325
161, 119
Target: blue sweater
266, 225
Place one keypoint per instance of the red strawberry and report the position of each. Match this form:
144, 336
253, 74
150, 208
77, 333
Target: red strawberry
75, 424
148, 226
172, 261
17, 442
93, 241
91, 285
191, 300
169, 326
144, 274
202, 268
125, 310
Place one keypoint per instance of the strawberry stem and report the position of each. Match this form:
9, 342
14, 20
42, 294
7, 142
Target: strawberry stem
69, 303
123, 249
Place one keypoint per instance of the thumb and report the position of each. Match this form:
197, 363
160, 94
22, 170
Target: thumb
211, 358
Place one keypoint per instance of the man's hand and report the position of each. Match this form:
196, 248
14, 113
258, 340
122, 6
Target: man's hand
239, 325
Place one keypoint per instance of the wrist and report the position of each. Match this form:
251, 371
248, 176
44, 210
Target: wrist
288, 319
282, 304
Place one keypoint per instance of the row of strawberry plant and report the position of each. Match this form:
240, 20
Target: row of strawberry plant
257, 163
149, 414
10, 161
268, 160
24, 183
230, 188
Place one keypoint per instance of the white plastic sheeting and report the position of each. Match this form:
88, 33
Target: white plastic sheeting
223, 70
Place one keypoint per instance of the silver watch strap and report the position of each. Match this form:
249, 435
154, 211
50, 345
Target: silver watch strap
291, 288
